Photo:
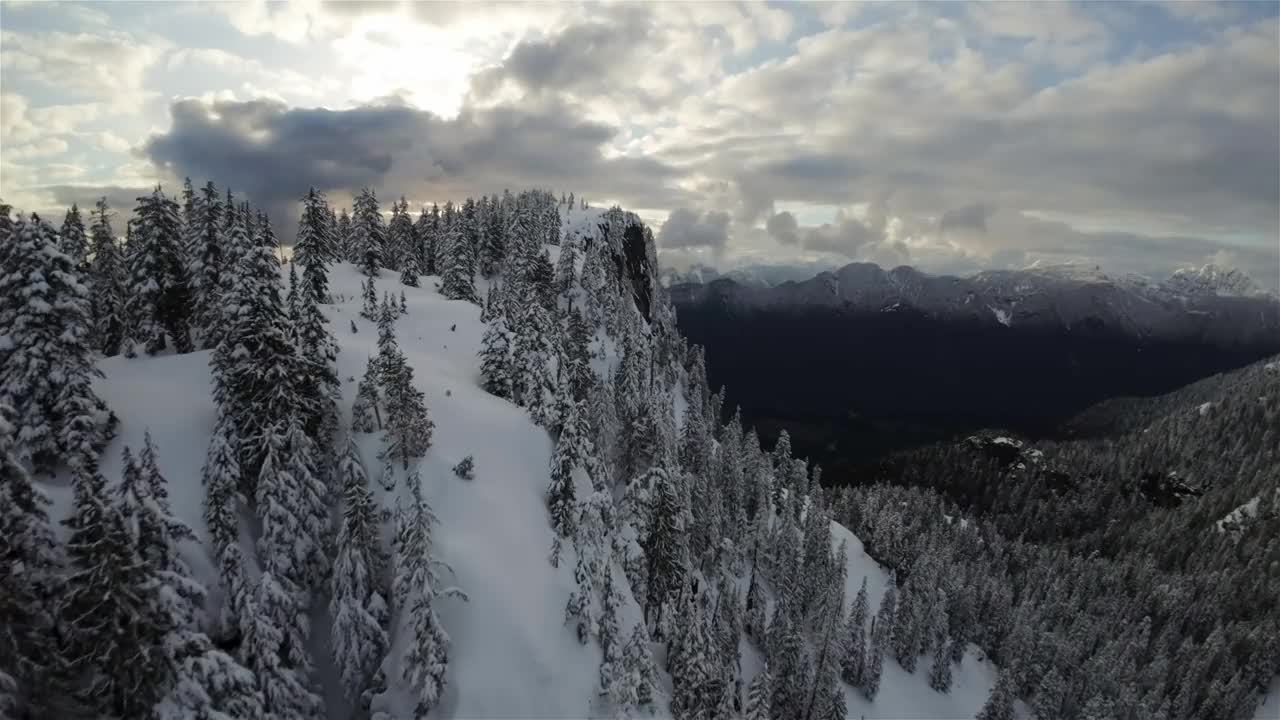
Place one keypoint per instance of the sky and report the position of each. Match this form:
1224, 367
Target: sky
1140, 137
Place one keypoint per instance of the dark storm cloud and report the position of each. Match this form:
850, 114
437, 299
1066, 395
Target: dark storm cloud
783, 228
272, 152
686, 228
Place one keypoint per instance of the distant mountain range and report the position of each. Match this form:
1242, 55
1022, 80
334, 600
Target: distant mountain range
750, 275
870, 359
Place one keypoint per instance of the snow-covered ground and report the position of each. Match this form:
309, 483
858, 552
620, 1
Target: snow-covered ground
511, 654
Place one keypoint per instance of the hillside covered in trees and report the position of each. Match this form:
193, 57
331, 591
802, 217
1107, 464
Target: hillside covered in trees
451, 464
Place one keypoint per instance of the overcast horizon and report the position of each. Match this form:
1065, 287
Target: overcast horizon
1140, 137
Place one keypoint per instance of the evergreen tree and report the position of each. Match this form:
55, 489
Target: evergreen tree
664, 545
493, 251
853, 666
365, 417
368, 235
427, 230
400, 240
46, 364
999, 705
221, 478
495, 358
1049, 697
636, 684
314, 246
940, 673
255, 366
287, 547
108, 624
577, 610
317, 374
357, 602
881, 639
566, 267
611, 640
369, 294
345, 248
408, 424
159, 304
417, 587
30, 580
759, 694
572, 451
458, 269
208, 256
106, 285
74, 244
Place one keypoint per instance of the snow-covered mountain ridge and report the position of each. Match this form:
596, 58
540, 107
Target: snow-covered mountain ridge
623, 550
1220, 305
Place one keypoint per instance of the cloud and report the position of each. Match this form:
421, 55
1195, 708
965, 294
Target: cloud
968, 217
273, 152
39, 148
686, 228
105, 64
783, 228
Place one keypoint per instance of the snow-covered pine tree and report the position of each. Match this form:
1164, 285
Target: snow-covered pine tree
759, 693
108, 590
881, 641
577, 610
74, 244
368, 235
427, 231
417, 587
105, 280
286, 547
365, 416
46, 365
906, 628
344, 250
255, 366
31, 562
221, 478
357, 603
999, 705
317, 377
792, 681
495, 358
940, 673
611, 640
636, 685
566, 267
828, 627
400, 241
665, 544
493, 250
159, 305
408, 424
208, 258
458, 265
572, 451
314, 246
853, 665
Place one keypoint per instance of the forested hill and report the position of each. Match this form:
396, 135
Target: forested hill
450, 464
1136, 565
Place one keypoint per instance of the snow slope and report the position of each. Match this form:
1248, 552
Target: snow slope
511, 654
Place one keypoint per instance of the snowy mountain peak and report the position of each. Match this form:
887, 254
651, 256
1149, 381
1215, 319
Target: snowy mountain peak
1212, 280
